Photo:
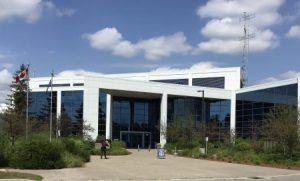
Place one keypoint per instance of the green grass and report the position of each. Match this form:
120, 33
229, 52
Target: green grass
18, 175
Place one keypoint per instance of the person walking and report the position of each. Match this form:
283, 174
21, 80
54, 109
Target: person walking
104, 144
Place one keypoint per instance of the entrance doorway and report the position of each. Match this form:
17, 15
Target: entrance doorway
135, 139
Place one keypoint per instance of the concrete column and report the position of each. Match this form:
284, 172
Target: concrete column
163, 119
91, 107
109, 100
190, 79
232, 115
58, 104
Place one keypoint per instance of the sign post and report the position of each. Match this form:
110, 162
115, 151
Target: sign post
161, 153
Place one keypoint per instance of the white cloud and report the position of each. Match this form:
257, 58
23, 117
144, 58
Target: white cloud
79, 72
266, 10
287, 75
154, 48
201, 66
294, 32
164, 46
110, 39
30, 10
5, 81
224, 28
60, 12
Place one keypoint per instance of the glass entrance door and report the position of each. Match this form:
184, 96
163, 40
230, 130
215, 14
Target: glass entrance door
134, 139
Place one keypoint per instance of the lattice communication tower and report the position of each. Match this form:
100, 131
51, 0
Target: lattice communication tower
245, 18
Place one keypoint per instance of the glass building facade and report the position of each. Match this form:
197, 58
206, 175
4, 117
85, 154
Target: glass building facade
40, 103
102, 114
216, 82
216, 114
136, 121
71, 112
252, 107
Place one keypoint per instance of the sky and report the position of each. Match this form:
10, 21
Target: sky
116, 36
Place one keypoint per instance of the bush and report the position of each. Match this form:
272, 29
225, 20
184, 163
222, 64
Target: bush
242, 145
36, 154
117, 148
78, 147
5, 149
71, 160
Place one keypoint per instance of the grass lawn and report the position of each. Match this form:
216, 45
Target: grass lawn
18, 175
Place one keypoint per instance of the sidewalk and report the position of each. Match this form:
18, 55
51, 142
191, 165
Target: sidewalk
144, 165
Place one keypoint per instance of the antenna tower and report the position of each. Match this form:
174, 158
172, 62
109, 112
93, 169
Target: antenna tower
245, 18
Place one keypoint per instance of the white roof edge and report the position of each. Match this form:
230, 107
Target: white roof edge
43, 79
59, 78
144, 73
269, 85
158, 83
175, 72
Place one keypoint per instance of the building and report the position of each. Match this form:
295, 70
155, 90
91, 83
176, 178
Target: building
137, 107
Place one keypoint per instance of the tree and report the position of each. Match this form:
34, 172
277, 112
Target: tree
183, 130
281, 126
15, 115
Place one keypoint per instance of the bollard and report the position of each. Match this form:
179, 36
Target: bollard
149, 148
138, 147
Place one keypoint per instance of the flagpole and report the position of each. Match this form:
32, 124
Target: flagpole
27, 102
51, 106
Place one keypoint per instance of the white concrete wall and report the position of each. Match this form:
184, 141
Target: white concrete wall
91, 105
232, 76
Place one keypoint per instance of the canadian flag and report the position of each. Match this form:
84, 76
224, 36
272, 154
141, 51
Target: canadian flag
22, 75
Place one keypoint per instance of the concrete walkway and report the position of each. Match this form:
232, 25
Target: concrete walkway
144, 165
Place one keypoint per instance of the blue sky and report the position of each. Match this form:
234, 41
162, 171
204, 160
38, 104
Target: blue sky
117, 36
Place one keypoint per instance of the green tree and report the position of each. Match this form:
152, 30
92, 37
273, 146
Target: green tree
183, 130
281, 126
15, 115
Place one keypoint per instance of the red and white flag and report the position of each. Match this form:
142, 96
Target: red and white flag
22, 75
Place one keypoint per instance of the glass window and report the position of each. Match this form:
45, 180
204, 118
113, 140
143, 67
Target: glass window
39, 104
71, 112
253, 106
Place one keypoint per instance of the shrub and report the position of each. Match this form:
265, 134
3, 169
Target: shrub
238, 157
77, 147
242, 145
71, 160
5, 149
117, 148
258, 146
36, 153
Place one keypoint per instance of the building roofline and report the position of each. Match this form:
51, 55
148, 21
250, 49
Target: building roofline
269, 85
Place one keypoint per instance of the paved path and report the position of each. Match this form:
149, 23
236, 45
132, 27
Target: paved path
144, 165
